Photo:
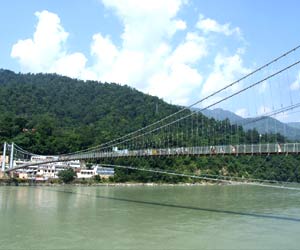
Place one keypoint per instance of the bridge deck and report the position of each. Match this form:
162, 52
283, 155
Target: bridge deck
268, 148
245, 149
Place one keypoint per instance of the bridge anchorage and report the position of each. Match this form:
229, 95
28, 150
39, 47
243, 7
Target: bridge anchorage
262, 98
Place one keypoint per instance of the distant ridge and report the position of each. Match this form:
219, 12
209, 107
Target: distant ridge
266, 125
294, 124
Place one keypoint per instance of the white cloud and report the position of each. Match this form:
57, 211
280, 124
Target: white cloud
262, 87
146, 58
177, 78
146, 23
226, 69
296, 84
263, 110
190, 51
105, 54
72, 65
180, 25
45, 52
242, 112
105, 51
176, 85
208, 25
283, 117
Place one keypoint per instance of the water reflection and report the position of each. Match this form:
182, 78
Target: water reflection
177, 206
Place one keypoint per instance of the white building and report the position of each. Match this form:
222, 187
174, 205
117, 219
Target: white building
45, 171
103, 172
49, 171
86, 173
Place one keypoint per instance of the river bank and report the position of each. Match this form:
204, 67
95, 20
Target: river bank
22, 182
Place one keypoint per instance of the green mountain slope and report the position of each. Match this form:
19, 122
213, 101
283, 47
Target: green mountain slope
51, 114
75, 114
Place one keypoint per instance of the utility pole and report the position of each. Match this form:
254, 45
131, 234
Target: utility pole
11, 160
4, 157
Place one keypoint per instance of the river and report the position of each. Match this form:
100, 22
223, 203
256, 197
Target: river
149, 217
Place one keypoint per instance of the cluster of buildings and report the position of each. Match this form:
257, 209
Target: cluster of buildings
46, 171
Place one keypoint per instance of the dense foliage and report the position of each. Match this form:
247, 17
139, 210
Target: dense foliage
51, 114
67, 175
266, 167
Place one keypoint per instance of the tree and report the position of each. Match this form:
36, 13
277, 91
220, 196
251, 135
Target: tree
89, 165
67, 175
50, 114
97, 178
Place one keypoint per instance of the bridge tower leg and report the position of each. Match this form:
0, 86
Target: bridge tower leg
11, 160
4, 157
82, 163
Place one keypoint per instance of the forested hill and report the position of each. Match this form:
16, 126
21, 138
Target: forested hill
48, 113
51, 114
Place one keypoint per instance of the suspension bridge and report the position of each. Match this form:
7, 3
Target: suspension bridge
269, 91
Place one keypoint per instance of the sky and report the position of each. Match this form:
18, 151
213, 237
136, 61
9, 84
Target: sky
178, 50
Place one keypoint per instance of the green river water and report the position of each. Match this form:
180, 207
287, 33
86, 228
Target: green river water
149, 217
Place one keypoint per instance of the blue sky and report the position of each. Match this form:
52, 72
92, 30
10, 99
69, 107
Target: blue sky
179, 50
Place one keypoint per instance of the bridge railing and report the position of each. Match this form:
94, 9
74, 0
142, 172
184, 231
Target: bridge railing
267, 148
244, 149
